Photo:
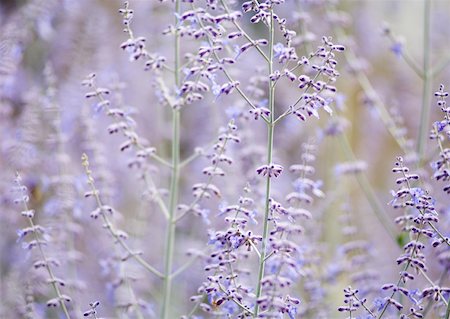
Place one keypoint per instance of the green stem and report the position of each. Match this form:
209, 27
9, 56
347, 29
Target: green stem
440, 66
364, 183
52, 277
49, 271
270, 132
170, 232
426, 87
407, 58
430, 302
371, 93
447, 312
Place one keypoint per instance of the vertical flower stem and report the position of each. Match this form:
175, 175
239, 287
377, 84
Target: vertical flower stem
52, 277
447, 312
270, 131
426, 87
368, 191
170, 232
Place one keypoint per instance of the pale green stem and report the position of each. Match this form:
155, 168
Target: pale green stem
447, 312
430, 302
53, 281
424, 274
110, 227
412, 254
369, 90
226, 73
200, 196
149, 182
244, 33
170, 232
184, 267
270, 132
136, 305
195, 155
399, 280
378, 210
426, 87
440, 66
407, 58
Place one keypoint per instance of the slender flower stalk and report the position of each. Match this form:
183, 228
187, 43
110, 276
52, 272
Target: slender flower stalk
372, 94
427, 81
38, 242
270, 134
368, 191
102, 210
174, 182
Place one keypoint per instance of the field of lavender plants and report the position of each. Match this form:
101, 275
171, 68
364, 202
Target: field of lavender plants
224, 159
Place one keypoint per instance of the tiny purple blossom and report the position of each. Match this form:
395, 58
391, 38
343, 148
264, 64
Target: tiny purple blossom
272, 170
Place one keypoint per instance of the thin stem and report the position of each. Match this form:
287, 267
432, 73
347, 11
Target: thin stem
149, 182
136, 305
225, 72
430, 302
440, 67
408, 59
199, 197
189, 159
243, 32
447, 312
237, 302
184, 267
54, 283
426, 87
147, 177
270, 133
53, 280
424, 274
255, 248
194, 309
174, 183
195, 155
368, 192
108, 224
137, 143
369, 90
292, 108
400, 279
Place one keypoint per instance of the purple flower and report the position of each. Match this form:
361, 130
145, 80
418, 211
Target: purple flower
440, 125
270, 170
397, 49
379, 303
416, 194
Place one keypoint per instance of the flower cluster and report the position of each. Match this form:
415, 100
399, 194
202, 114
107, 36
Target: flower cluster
40, 239
284, 258
353, 303
123, 123
441, 133
225, 288
217, 159
135, 46
325, 68
418, 222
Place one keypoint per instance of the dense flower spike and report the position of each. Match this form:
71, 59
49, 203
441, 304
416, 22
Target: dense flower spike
135, 46
38, 242
225, 288
441, 133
